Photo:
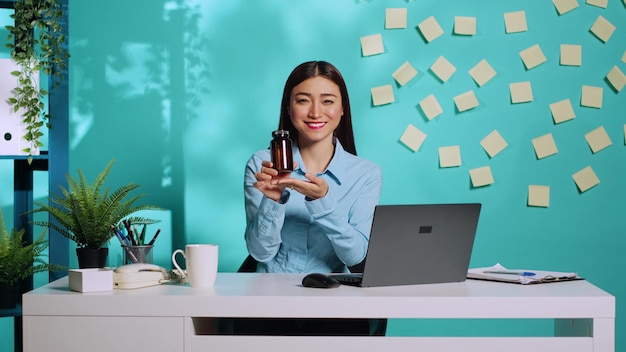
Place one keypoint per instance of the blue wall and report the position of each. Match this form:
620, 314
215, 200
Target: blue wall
181, 93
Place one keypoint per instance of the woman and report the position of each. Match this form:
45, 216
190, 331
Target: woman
318, 217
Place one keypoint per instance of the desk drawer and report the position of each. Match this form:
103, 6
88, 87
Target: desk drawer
200, 338
388, 343
106, 334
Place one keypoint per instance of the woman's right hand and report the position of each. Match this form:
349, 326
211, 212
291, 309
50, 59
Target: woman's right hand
264, 181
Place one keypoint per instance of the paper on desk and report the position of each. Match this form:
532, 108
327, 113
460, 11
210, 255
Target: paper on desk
540, 276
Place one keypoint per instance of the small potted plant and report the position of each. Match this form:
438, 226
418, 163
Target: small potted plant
19, 261
84, 213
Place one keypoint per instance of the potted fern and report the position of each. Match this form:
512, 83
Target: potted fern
19, 261
84, 213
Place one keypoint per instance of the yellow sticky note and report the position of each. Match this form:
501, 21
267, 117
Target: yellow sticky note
571, 55
533, 56
598, 139
515, 22
372, 45
430, 106
565, 6
481, 176
562, 111
538, 196
413, 137
404, 73
443, 69
591, 97
617, 78
430, 29
450, 156
598, 3
493, 143
382, 95
464, 25
395, 18
521, 92
482, 72
624, 56
466, 101
544, 146
603, 29
585, 179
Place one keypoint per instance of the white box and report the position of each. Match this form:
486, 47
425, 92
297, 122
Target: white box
91, 280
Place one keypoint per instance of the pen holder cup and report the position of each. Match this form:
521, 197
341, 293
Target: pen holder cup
137, 254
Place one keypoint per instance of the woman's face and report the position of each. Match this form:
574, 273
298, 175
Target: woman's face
315, 109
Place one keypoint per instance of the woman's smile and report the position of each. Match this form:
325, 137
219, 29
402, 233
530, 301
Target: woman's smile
316, 125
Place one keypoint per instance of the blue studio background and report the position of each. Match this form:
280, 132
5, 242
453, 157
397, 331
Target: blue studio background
182, 93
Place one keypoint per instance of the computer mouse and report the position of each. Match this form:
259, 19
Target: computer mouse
318, 280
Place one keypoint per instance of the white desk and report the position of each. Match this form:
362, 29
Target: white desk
162, 318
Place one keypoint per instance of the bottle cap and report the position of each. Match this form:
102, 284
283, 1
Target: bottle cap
280, 133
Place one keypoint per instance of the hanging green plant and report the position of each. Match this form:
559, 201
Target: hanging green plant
38, 45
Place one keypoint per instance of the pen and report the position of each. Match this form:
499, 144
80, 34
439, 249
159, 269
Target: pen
125, 244
142, 237
131, 234
154, 238
133, 257
137, 236
518, 273
131, 239
119, 235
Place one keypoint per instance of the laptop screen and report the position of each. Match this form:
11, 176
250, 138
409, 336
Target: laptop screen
420, 244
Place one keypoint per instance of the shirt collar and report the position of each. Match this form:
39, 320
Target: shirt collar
336, 168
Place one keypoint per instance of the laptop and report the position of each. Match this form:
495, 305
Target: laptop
418, 244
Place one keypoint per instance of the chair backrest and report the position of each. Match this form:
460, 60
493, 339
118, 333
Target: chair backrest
248, 265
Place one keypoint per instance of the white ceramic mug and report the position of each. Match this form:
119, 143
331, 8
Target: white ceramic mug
201, 263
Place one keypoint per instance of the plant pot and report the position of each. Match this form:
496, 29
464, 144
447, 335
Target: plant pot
92, 258
9, 295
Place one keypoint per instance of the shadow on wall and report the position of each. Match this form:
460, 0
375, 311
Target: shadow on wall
134, 88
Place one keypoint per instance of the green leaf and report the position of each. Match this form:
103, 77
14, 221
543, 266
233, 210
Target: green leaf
85, 211
37, 43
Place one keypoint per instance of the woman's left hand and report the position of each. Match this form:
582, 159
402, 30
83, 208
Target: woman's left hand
314, 188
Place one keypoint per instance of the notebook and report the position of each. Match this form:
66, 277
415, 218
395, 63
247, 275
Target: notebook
520, 276
418, 244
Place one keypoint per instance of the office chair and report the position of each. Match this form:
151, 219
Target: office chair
248, 265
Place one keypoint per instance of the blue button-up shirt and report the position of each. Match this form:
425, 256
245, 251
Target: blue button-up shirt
322, 235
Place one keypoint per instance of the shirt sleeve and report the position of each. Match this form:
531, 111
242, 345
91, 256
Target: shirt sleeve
349, 231
264, 216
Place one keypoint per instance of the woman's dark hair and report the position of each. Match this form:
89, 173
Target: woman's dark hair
310, 69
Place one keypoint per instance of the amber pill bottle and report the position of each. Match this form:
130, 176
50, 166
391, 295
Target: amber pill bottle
282, 155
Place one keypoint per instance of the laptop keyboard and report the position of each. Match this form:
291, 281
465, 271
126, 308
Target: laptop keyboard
349, 278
